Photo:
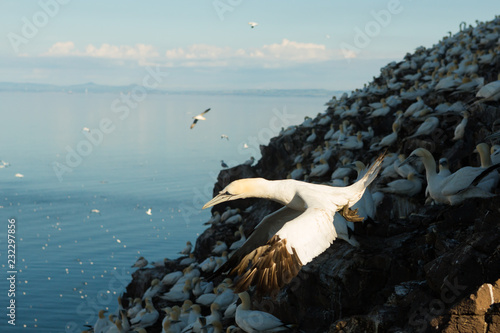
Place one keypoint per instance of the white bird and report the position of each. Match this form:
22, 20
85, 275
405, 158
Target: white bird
237, 244
294, 235
149, 211
319, 170
224, 136
426, 128
453, 189
178, 295
199, 117
19, 175
249, 161
219, 247
409, 187
343, 171
489, 182
141, 262
253, 321
153, 289
171, 278
208, 265
312, 137
387, 140
146, 319
253, 24
86, 129
194, 314
102, 324
187, 249
225, 297
206, 299
234, 219
201, 287
490, 91
214, 219
188, 261
298, 172
134, 310
460, 129
228, 213
416, 106
117, 328
353, 142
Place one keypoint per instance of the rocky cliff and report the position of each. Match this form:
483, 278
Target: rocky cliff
420, 267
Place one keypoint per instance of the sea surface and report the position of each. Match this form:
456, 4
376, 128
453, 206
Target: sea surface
78, 214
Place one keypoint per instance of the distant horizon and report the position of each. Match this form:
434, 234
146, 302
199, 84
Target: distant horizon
18, 87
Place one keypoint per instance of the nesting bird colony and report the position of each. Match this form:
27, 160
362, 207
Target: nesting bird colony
430, 218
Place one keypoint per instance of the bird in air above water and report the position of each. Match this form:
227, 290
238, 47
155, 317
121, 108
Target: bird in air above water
253, 24
292, 236
199, 117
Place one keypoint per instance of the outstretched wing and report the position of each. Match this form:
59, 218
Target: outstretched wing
271, 266
261, 235
194, 123
205, 111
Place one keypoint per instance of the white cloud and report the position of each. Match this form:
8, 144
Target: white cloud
285, 53
61, 49
293, 51
199, 51
274, 55
138, 51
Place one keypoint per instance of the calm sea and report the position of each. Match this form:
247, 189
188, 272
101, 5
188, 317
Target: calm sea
79, 211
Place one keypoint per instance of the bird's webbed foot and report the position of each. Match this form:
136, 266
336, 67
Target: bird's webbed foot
350, 215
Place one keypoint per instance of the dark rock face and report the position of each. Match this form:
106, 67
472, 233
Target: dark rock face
420, 267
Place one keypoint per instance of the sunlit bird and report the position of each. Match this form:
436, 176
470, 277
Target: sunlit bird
253, 24
224, 136
292, 236
199, 117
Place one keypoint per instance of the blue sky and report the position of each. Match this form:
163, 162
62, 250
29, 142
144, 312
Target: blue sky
209, 44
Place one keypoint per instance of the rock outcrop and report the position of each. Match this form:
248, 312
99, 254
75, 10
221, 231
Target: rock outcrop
420, 267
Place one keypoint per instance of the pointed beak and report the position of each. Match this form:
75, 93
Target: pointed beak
218, 199
409, 159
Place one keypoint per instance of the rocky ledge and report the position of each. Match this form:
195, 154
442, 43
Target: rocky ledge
420, 267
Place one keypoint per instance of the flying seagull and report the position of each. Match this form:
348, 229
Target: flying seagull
289, 238
199, 117
253, 24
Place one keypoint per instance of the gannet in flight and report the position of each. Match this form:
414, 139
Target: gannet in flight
292, 236
253, 24
199, 117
